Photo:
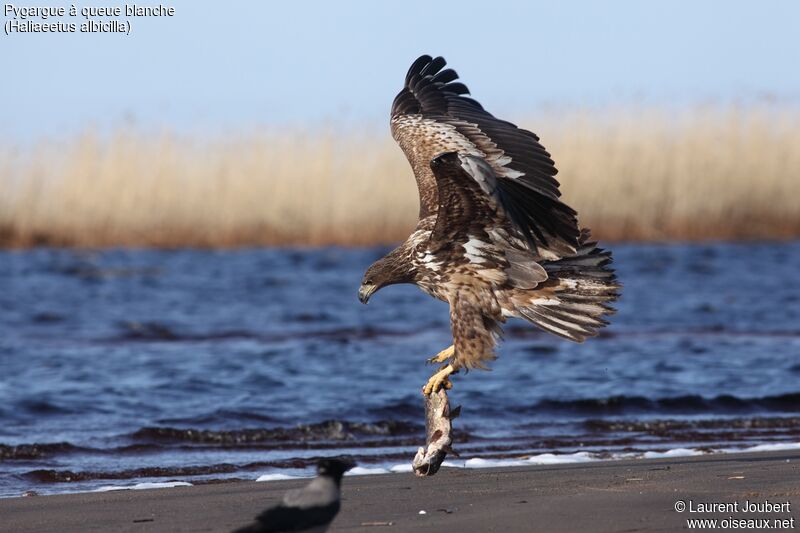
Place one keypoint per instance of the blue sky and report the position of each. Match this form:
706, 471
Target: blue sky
222, 66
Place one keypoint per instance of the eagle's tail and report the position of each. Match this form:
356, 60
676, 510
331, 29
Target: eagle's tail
577, 295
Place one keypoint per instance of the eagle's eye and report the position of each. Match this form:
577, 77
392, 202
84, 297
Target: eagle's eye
368, 282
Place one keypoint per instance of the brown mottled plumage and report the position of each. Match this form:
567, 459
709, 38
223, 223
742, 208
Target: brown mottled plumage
493, 238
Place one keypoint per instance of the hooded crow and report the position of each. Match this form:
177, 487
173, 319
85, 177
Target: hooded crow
311, 508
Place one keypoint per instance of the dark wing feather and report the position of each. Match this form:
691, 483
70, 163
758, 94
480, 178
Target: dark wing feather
473, 200
467, 201
431, 115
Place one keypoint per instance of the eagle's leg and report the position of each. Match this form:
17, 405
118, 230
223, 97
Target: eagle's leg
443, 356
439, 380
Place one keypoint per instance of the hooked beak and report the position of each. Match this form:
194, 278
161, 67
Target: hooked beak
365, 292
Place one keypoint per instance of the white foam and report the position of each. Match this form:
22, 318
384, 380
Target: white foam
479, 462
144, 485
402, 469
276, 477
109, 488
541, 459
675, 452
557, 459
366, 471
161, 485
625, 455
773, 447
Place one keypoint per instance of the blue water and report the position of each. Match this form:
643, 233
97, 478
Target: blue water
129, 365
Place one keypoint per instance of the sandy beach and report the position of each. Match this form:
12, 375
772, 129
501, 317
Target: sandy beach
625, 495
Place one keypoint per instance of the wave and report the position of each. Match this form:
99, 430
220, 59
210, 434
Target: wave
473, 458
385, 467
689, 404
69, 476
521, 331
35, 450
143, 486
161, 332
329, 430
592, 430
330, 434
617, 405
671, 425
221, 417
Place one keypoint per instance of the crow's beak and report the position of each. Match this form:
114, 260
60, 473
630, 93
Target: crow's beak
365, 292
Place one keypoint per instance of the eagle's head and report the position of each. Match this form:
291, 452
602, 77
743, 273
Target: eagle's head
391, 269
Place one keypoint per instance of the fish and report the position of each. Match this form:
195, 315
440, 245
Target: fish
438, 432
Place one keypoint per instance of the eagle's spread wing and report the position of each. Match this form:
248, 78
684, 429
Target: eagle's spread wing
473, 213
431, 115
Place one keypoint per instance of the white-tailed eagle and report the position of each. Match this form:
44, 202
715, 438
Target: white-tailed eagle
493, 238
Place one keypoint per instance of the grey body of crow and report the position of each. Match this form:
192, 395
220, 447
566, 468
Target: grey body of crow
309, 509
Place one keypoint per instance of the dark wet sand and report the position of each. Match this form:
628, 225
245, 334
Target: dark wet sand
630, 495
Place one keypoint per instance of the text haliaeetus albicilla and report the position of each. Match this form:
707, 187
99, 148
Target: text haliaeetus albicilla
493, 239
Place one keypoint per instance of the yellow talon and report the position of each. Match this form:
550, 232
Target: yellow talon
443, 356
439, 380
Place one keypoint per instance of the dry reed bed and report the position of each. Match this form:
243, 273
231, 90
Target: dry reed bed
635, 174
